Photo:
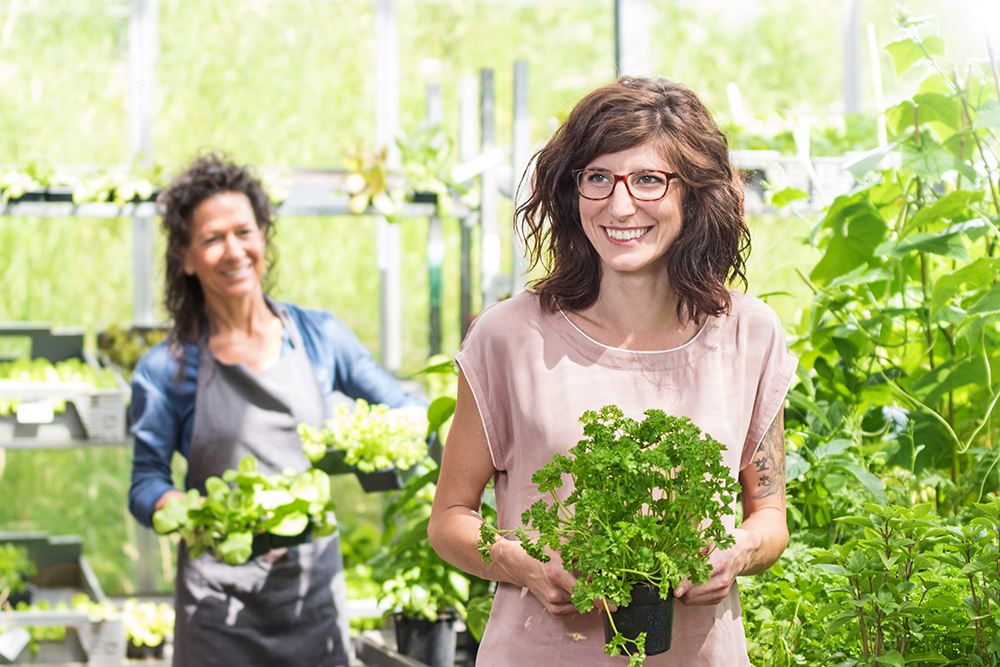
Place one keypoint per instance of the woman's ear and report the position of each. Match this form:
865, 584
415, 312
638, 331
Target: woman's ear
185, 256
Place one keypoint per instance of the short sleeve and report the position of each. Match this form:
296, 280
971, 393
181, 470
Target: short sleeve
770, 371
484, 360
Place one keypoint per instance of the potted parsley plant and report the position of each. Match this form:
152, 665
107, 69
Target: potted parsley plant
647, 499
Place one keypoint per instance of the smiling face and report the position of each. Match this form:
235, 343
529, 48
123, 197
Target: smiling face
630, 236
227, 247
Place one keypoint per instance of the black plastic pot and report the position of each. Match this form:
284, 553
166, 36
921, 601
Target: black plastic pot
333, 463
426, 641
265, 542
143, 652
59, 193
647, 613
386, 479
34, 195
26, 595
421, 197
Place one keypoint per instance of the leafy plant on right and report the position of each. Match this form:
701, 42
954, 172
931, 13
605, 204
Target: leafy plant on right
900, 346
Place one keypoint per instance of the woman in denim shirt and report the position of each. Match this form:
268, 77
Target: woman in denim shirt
238, 372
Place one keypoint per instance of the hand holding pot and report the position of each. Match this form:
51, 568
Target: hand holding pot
726, 565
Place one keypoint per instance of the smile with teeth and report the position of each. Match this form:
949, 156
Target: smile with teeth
626, 234
237, 271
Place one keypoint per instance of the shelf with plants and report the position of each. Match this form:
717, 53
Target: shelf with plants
61, 396
69, 618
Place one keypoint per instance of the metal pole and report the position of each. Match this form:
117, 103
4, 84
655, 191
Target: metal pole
386, 129
852, 57
490, 196
143, 48
633, 50
520, 158
435, 231
467, 135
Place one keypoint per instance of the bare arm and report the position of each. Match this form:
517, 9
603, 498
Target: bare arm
763, 535
455, 520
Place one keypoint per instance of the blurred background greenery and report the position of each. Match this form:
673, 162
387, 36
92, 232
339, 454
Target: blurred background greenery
291, 83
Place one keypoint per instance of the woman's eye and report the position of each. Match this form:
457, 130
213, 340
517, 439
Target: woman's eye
650, 178
596, 177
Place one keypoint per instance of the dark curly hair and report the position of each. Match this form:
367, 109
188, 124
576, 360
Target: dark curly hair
207, 176
710, 251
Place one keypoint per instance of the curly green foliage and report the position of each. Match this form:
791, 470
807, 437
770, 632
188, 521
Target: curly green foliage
244, 503
646, 507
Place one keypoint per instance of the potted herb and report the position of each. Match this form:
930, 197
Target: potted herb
647, 499
148, 624
376, 442
426, 594
256, 514
15, 567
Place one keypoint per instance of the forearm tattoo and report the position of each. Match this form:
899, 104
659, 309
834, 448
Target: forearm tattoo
770, 460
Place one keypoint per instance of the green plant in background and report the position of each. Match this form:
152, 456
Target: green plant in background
647, 498
147, 623
15, 567
900, 346
373, 437
902, 597
413, 578
43, 370
368, 182
225, 522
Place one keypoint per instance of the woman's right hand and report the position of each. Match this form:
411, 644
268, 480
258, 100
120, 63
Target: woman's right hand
162, 500
553, 586
549, 582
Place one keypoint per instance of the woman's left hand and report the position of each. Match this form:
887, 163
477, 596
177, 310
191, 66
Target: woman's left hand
725, 568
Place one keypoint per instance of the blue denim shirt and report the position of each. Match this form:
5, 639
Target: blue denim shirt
163, 408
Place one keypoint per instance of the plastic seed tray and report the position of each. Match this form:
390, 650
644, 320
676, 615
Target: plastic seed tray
92, 416
62, 573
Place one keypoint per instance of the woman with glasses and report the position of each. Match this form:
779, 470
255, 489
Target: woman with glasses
637, 217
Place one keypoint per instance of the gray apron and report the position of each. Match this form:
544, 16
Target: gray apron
290, 612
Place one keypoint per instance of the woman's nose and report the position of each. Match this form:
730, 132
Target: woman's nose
620, 203
233, 246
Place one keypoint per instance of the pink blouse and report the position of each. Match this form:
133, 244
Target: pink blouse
533, 374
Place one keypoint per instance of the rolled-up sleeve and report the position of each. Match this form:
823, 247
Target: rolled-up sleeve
162, 412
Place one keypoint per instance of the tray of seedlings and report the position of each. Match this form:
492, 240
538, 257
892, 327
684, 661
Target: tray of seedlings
60, 395
67, 618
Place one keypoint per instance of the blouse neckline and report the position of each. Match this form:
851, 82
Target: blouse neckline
703, 341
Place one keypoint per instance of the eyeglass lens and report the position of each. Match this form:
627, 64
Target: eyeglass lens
643, 185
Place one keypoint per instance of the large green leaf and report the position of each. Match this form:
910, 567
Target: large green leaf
936, 107
853, 244
988, 304
872, 483
908, 52
988, 116
932, 160
786, 196
236, 548
945, 244
949, 376
869, 161
980, 272
862, 275
439, 412
293, 524
954, 206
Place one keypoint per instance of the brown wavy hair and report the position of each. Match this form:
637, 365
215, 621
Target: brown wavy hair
207, 176
710, 251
